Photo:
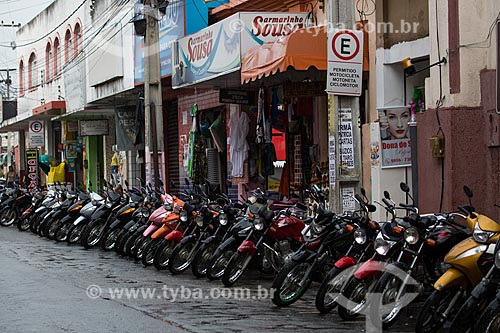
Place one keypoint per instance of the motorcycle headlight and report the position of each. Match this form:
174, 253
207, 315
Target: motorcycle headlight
223, 219
360, 236
177, 208
33, 200
108, 204
497, 259
411, 236
94, 202
383, 246
199, 220
183, 216
480, 235
258, 224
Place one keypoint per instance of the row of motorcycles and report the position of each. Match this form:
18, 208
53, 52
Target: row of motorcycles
363, 267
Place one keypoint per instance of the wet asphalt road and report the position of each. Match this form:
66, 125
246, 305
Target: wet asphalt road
52, 287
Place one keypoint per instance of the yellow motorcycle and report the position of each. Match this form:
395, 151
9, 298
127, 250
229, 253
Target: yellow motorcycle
467, 263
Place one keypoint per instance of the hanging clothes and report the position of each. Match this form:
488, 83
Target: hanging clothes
260, 130
238, 150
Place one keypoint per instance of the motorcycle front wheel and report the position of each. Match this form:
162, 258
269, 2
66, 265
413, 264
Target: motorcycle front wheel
62, 231
235, 268
109, 239
291, 283
8, 217
75, 233
328, 292
149, 252
163, 254
386, 306
23, 223
218, 264
430, 318
489, 321
182, 257
203, 258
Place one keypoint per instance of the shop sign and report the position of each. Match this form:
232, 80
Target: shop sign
36, 134
303, 89
32, 169
126, 123
93, 127
394, 135
345, 62
171, 27
217, 50
259, 28
211, 52
74, 86
232, 96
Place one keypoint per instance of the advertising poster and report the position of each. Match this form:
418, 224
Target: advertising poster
395, 136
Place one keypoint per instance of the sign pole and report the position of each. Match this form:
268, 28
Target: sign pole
344, 85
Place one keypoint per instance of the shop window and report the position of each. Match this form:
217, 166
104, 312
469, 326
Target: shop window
48, 62
32, 77
57, 56
21, 78
68, 41
77, 35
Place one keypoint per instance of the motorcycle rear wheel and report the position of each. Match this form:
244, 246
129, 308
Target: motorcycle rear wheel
235, 268
286, 286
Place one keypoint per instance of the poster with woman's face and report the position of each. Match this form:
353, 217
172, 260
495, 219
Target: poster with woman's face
395, 136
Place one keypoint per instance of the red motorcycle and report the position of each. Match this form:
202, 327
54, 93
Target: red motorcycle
271, 240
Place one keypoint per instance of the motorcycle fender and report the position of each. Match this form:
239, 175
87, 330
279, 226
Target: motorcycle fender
190, 238
39, 209
149, 230
115, 224
208, 240
175, 235
368, 269
303, 256
227, 243
100, 213
345, 262
129, 225
27, 211
141, 228
247, 246
67, 218
80, 220
451, 278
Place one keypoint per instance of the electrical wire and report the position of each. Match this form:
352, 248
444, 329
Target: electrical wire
488, 37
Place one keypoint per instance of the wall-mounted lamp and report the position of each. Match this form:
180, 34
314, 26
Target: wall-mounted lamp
139, 24
162, 6
410, 69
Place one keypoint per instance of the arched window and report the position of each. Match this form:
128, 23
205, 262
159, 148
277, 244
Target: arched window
48, 62
77, 35
57, 56
32, 77
21, 78
68, 44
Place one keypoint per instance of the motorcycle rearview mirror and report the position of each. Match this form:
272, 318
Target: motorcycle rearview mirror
387, 195
245, 187
262, 180
160, 182
171, 183
126, 183
371, 208
468, 191
363, 192
318, 172
404, 187
186, 181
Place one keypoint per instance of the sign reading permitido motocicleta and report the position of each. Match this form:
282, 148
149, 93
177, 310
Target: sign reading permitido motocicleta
345, 62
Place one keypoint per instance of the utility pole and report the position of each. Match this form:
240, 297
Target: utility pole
340, 13
152, 85
7, 81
